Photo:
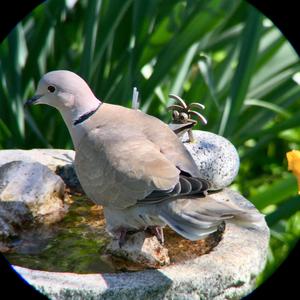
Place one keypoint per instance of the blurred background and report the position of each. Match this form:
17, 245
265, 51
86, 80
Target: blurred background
223, 54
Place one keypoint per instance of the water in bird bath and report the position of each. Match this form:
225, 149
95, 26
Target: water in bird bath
77, 244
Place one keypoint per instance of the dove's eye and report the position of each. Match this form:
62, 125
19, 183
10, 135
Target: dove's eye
51, 88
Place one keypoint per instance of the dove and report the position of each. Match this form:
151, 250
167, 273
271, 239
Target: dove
133, 165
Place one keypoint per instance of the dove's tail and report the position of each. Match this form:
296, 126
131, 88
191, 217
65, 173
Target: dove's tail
195, 218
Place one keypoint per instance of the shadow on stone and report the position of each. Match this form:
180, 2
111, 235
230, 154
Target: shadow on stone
149, 285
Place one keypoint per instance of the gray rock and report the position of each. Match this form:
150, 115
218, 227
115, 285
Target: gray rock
29, 193
58, 160
9, 223
227, 272
216, 158
141, 248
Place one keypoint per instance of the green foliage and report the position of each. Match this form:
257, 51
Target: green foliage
221, 53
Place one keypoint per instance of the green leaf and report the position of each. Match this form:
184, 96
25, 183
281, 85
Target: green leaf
242, 77
107, 28
272, 131
284, 211
197, 26
179, 80
273, 107
205, 68
90, 31
276, 193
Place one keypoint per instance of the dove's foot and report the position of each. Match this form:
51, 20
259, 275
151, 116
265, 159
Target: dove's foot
158, 232
120, 234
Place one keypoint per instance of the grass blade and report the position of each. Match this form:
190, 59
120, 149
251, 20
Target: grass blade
241, 80
204, 65
284, 211
90, 31
271, 106
276, 193
184, 70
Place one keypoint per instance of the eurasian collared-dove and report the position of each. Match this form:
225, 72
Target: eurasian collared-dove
133, 164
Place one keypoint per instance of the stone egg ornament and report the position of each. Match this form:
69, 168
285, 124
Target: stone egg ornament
215, 156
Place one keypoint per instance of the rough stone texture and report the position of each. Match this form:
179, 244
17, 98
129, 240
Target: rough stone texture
29, 193
10, 222
216, 158
141, 248
227, 272
59, 161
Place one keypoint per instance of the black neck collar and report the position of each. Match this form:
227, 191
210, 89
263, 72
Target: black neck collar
86, 115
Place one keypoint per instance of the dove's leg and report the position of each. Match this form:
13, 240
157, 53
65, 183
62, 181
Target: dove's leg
158, 232
120, 223
120, 234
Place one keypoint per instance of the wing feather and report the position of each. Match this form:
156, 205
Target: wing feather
124, 171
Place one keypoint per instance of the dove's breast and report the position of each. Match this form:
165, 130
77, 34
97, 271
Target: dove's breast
99, 178
91, 173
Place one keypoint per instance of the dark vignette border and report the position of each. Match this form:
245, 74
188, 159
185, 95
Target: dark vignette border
285, 15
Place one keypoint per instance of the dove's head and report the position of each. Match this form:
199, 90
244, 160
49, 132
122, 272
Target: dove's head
67, 92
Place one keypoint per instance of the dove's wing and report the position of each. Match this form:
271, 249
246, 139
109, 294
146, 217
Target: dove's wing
118, 172
131, 157
173, 149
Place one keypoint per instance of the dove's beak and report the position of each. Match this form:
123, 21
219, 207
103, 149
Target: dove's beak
32, 100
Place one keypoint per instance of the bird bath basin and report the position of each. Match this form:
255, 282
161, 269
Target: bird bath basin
70, 265
227, 272
82, 233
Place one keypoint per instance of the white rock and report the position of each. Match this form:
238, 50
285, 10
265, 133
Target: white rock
31, 190
215, 156
52, 158
58, 160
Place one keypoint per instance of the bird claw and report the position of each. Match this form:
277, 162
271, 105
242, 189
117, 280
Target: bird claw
158, 232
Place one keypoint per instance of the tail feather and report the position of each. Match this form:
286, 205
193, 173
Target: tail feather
188, 229
205, 217
195, 218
